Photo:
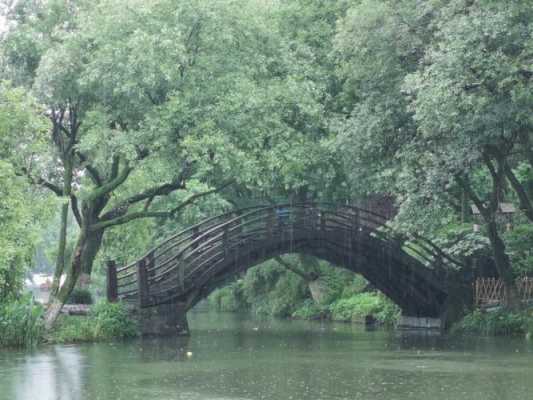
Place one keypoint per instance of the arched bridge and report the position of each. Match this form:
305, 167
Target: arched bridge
186, 267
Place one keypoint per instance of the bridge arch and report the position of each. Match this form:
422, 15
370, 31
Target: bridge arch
186, 267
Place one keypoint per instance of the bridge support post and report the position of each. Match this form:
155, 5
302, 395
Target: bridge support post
164, 320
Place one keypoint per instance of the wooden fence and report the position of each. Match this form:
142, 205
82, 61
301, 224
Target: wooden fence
490, 292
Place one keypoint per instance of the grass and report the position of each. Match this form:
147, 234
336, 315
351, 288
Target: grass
21, 324
106, 321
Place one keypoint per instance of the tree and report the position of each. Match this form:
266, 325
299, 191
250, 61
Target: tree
22, 210
471, 102
144, 99
436, 97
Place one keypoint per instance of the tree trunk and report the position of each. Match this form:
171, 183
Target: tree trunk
67, 189
60, 260
85, 252
503, 265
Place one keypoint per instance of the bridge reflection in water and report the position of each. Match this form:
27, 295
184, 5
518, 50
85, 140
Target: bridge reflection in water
169, 280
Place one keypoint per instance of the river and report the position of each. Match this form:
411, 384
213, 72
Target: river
232, 356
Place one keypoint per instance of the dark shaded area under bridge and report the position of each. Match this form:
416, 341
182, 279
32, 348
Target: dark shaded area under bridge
167, 282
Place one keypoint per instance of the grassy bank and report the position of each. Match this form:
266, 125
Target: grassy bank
21, 324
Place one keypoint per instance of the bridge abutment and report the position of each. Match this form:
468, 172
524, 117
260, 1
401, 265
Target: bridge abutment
423, 323
168, 319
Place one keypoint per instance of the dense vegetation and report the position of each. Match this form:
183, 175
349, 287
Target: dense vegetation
122, 121
273, 290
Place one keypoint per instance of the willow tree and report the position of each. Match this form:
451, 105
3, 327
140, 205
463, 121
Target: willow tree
144, 99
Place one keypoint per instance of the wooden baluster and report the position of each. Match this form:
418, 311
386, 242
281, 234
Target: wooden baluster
195, 234
270, 224
181, 272
150, 265
225, 241
142, 282
112, 282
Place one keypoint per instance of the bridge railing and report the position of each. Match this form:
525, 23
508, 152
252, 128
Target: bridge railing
194, 254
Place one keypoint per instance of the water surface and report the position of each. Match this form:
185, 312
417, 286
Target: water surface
236, 357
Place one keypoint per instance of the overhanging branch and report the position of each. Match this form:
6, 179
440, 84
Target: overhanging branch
123, 219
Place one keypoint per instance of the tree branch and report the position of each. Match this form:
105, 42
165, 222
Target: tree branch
75, 209
122, 219
465, 184
150, 193
42, 182
93, 172
112, 184
525, 203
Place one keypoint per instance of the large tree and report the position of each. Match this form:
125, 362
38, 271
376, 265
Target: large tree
441, 93
145, 98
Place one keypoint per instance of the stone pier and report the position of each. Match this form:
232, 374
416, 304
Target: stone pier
406, 322
164, 320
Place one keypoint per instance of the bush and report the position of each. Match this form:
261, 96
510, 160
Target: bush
21, 323
105, 321
111, 320
499, 322
357, 307
310, 310
227, 298
80, 296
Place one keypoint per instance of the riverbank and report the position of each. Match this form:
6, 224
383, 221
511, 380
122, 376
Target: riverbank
21, 324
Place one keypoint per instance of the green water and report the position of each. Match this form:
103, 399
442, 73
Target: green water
235, 357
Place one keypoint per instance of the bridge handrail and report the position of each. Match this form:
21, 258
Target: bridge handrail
192, 243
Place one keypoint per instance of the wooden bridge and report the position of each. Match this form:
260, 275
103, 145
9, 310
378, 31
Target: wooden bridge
185, 268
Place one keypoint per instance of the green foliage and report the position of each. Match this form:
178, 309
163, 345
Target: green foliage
519, 242
357, 307
21, 323
309, 310
106, 321
22, 210
111, 320
228, 298
72, 329
501, 322
80, 296
271, 289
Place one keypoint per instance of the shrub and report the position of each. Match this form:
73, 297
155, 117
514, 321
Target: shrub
111, 320
80, 296
499, 322
227, 298
105, 321
21, 323
310, 310
355, 308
